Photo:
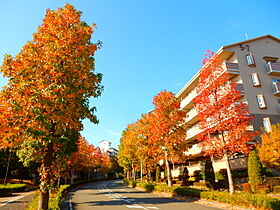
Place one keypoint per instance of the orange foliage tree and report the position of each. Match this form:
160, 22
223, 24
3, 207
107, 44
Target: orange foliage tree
223, 118
160, 134
87, 158
50, 81
167, 131
269, 149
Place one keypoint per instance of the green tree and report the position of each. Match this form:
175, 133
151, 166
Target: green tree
255, 171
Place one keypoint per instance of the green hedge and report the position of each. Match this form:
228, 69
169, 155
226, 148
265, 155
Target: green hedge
57, 199
238, 199
10, 188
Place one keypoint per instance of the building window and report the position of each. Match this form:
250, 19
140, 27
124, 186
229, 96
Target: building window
250, 60
266, 124
261, 101
255, 79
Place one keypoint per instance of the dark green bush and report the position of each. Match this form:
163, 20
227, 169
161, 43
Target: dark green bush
255, 171
185, 191
185, 176
198, 175
209, 174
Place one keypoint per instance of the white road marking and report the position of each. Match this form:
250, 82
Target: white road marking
152, 207
10, 201
70, 203
135, 207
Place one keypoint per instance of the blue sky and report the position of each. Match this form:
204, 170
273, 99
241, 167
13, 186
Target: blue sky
149, 45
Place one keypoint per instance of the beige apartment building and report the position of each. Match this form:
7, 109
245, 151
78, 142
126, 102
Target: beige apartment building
255, 65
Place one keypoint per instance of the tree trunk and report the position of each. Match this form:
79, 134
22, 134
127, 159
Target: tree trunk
72, 176
58, 182
45, 179
89, 174
141, 170
230, 179
8, 165
168, 170
133, 172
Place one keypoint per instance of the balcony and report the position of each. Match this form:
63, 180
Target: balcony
194, 151
273, 68
191, 116
240, 88
193, 132
186, 103
232, 68
276, 88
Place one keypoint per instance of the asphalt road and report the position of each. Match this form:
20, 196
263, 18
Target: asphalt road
17, 201
114, 195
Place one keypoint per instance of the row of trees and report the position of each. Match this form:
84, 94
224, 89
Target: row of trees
161, 134
157, 135
47, 96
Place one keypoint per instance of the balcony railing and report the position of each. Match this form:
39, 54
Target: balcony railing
276, 88
273, 68
232, 68
191, 115
240, 88
193, 132
194, 150
185, 103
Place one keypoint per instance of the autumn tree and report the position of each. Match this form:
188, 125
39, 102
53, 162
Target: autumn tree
50, 82
223, 118
269, 149
127, 150
167, 131
147, 153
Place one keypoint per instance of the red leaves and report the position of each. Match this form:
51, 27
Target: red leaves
223, 118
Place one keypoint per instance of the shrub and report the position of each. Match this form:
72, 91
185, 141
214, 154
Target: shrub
200, 184
276, 189
185, 176
57, 198
132, 183
272, 181
185, 191
10, 188
147, 186
255, 171
197, 174
246, 187
243, 199
209, 174
219, 176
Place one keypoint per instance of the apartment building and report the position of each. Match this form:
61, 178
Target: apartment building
255, 66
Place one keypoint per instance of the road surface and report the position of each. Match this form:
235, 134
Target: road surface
17, 201
113, 195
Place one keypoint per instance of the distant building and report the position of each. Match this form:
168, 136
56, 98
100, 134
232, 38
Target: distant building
105, 146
